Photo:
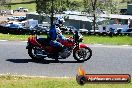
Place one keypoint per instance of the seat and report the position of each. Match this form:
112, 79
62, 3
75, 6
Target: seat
43, 41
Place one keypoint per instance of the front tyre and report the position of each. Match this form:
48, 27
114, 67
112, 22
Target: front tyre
83, 54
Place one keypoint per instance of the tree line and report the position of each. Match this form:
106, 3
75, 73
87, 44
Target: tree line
5, 4
88, 6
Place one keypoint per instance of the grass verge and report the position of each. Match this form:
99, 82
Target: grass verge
29, 4
115, 40
13, 37
36, 82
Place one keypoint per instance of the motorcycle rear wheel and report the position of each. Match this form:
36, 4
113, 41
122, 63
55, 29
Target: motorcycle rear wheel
81, 54
32, 55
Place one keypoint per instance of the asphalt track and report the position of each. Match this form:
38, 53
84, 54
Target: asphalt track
106, 59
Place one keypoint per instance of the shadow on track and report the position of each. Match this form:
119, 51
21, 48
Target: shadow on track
41, 61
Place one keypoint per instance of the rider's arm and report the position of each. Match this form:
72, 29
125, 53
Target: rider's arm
60, 36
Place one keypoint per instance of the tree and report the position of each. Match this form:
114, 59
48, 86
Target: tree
45, 7
5, 4
50, 7
55, 6
94, 2
112, 6
87, 6
74, 5
90, 6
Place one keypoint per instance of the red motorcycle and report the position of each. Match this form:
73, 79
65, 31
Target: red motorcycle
39, 48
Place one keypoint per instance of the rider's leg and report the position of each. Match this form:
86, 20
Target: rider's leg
56, 44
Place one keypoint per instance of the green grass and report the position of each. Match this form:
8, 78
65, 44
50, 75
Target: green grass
37, 82
13, 37
20, 1
29, 4
115, 40
31, 7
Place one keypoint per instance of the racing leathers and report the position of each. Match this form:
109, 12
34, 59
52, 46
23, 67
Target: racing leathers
54, 34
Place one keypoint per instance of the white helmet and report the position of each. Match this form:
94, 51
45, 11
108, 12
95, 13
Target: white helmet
59, 20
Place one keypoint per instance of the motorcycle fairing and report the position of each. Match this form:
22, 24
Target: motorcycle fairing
66, 43
33, 41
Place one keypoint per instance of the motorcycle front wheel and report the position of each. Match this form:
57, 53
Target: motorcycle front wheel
83, 54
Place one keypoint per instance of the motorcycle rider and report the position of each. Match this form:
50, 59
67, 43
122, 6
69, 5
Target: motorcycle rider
56, 33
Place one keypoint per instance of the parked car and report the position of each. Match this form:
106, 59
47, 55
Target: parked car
14, 25
10, 18
45, 29
20, 18
42, 29
21, 9
128, 31
92, 31
13, 28
83, 31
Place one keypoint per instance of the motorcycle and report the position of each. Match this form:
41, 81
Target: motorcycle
39, 47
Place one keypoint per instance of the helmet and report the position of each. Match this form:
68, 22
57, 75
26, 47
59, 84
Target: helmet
59, 20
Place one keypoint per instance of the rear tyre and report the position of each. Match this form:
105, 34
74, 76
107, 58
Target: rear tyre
83, 54
32, 54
